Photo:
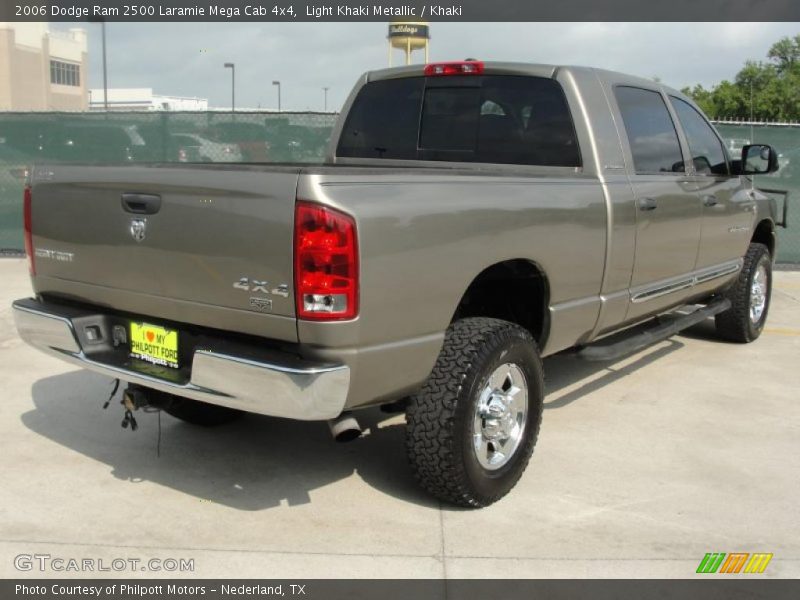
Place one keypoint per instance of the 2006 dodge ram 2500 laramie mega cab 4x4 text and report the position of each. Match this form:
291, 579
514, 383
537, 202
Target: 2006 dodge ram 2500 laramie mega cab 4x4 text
470, 218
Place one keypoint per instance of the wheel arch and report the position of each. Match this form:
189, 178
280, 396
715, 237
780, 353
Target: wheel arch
764, 233
515, 290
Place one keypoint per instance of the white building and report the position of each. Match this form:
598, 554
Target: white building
127, 99
42, 69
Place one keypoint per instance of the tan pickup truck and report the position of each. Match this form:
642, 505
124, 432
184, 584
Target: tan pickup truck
470, 219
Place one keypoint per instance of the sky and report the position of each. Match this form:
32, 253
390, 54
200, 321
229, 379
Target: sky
186, 59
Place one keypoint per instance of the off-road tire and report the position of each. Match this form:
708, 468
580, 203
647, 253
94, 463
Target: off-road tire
200, 413
439, 418
734, 324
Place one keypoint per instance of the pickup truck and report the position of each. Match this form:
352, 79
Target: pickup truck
470, 218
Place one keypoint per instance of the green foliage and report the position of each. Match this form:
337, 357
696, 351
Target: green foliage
771, 90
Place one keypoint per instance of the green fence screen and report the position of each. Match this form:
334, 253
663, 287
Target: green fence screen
786, 140
114, 137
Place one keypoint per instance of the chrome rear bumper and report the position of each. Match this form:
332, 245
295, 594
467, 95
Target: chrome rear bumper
264, 382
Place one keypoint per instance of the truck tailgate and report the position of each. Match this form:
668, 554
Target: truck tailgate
209, 245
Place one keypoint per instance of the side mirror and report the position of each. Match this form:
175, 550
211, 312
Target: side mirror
759, 159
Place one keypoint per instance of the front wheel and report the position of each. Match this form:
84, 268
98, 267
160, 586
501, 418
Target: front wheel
744, 321
471, 429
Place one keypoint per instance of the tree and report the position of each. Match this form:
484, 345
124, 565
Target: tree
785, 53
769, 91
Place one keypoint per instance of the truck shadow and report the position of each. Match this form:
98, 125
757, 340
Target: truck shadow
257, 462
252, 464
566, 369
706, 331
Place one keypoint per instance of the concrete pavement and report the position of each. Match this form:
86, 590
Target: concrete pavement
642, 466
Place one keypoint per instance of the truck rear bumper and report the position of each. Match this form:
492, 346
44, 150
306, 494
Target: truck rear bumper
235, 375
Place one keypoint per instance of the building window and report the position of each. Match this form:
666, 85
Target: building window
62, 73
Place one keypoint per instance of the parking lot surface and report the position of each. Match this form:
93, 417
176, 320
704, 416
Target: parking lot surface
643, 466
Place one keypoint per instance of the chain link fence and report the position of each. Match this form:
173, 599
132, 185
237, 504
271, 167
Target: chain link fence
786, 140
132, 137
114, 137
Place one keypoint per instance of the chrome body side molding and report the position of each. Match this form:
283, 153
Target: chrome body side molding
662, 289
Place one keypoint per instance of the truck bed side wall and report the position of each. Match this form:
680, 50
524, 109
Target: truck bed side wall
422, 241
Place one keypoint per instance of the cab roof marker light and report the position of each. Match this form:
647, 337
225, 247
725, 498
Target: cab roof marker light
466, 67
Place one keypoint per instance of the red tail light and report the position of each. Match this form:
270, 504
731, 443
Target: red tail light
325, 263
467, 67
26, 209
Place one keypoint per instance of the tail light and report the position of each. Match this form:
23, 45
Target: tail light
28, 218
467, 67
325, 263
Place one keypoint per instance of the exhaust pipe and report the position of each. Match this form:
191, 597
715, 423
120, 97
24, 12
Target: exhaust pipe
345, 428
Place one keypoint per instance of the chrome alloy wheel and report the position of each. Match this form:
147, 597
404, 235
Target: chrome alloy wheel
500, 416
758, 294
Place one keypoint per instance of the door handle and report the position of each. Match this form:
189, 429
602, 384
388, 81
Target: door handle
710, 200
141, 204
647, 203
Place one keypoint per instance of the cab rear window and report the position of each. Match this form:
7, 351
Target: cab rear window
487, 119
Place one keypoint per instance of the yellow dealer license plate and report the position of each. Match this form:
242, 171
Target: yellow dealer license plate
154, 344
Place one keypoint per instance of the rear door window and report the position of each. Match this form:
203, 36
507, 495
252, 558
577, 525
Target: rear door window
651, 133
491, 119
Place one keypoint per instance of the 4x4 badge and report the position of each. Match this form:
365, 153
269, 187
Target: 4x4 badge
254, 285
138, 229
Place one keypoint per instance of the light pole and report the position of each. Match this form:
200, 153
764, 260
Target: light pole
105, 71
751, 111
232, 67
102, 22
278, 83
326, 98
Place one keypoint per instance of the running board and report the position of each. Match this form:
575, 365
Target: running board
626, 342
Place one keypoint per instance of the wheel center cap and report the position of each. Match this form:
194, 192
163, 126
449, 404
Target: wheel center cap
496, 417
496, 407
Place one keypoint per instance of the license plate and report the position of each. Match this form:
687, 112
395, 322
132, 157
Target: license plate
154, 344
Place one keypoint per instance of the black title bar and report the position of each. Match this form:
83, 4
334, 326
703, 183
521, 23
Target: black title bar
386, 10
711, 588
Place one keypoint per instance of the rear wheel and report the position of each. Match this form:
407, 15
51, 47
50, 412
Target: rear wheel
744, 321
471, 429
199, 413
